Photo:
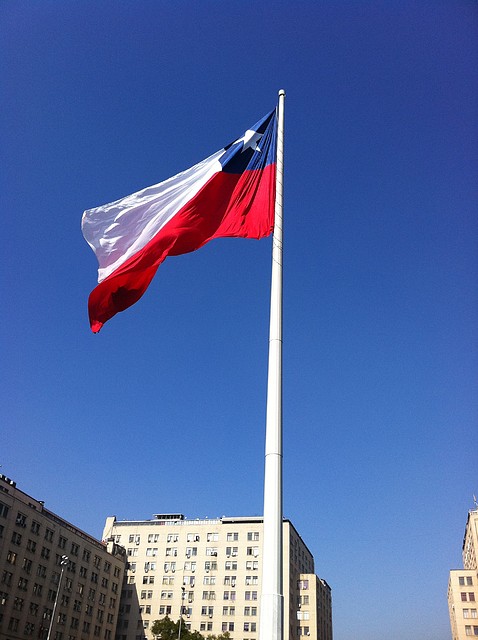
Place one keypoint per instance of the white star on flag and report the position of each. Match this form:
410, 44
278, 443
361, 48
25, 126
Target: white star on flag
250, 140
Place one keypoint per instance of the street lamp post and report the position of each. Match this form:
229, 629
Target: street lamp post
183, 593
63, 563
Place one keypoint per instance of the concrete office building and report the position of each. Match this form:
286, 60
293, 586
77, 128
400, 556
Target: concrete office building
463, 585
52, 574
211, 569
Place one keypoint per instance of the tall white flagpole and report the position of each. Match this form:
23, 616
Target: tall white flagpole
272, 597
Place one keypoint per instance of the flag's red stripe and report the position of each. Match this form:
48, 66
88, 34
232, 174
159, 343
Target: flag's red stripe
228, 205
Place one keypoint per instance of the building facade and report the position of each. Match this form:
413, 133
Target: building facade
54, 577
211, 571
463, 585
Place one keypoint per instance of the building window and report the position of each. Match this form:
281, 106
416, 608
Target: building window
27, 565
16, 538
164, 610
41, 571
7, 578
21, 520
62, 542
229, 611
211, 551
192, 537
13, 624
153, 537
212, 537
232, 536
253, 536
23, 584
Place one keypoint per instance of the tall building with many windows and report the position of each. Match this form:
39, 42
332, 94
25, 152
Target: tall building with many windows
52, 574
463, 585
210, 570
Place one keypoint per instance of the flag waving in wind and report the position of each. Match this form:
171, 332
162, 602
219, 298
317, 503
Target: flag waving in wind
230, 194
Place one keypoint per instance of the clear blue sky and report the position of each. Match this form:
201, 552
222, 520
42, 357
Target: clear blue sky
164, 410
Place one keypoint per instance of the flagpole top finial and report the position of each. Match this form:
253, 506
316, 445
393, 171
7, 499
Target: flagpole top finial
281, 92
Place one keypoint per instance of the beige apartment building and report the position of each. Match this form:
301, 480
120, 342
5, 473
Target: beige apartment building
211, 570
56, 581
463, 585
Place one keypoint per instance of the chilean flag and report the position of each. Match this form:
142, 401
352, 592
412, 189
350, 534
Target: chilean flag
230, 194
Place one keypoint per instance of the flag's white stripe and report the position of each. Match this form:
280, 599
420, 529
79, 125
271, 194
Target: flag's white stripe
118, 230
